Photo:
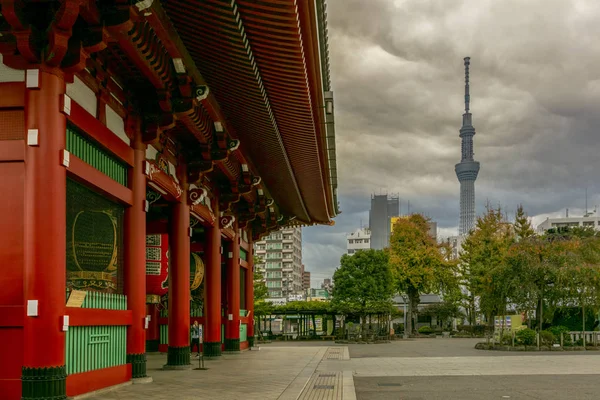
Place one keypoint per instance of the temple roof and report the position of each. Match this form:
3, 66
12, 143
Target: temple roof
263, 63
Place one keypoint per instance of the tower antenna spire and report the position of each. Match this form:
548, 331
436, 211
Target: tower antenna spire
467, 95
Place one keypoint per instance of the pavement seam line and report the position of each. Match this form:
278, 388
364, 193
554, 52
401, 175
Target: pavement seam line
319, 355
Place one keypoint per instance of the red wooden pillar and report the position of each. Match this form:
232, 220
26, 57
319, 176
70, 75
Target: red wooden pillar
135, 256
178, 354
250, 290
44, 372
212, 304
232, 328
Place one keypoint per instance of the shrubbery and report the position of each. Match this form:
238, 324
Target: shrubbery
425, 330
547, 338
476, 330
526, 337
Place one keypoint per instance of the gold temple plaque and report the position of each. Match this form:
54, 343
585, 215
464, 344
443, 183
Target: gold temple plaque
76, 298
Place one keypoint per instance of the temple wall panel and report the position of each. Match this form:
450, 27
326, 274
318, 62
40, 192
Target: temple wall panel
12, 174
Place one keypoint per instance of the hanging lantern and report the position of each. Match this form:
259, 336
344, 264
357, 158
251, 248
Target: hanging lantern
157, 265
196, 271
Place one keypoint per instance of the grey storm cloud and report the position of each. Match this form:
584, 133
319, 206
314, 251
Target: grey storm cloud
398, 81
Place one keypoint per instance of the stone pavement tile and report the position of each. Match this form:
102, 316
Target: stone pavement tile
263, 375
546, 387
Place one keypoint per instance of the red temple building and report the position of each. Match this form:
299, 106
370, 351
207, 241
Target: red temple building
144, 146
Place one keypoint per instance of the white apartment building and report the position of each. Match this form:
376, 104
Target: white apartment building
591, 221
455, 245
281, 253
360, 239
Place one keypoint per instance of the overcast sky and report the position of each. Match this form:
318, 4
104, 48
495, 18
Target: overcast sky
398, 79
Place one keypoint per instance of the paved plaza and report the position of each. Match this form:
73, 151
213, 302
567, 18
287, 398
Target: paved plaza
409, 370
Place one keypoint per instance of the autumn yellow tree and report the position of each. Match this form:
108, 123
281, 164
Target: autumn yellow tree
418, 263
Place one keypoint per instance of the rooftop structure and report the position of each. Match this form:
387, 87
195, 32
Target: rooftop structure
360, 239
589, 221
468, 168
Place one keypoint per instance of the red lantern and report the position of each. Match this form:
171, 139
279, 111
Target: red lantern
157, 265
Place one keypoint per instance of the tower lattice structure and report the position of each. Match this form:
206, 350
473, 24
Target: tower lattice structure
467, 169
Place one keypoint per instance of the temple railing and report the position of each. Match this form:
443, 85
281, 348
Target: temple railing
90, 347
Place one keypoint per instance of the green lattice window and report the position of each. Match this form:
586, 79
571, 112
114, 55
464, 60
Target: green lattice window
89, 151
94, 241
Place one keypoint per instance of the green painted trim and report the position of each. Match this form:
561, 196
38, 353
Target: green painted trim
164, 334
138, 365
243, 332
152, 345
211, 349
48, 383
232, 344
178, 355
92, 153
95, 347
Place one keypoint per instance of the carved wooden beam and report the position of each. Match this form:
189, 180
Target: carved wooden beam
162, 182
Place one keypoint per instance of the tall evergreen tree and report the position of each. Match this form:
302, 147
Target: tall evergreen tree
522, 226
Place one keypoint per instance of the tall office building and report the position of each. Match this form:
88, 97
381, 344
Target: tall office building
467, 169
281, 253
383, 209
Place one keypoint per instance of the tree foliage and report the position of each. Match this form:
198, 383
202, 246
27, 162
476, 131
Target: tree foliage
419, 263
483, 269
363, 283
522, 226
260, 288
504, 264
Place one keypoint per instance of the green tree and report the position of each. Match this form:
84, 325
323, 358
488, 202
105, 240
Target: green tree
260, 288
363, 284
483, 269
418, 263
538, 262
581, 279
522, 226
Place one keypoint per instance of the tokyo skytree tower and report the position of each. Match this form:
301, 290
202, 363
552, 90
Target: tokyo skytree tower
467, 169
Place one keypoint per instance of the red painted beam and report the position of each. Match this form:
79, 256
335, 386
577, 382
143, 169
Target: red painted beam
90, 381
163, 183
203, 214
100, 133
86, 174
228, 233
97, 317
12, 316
